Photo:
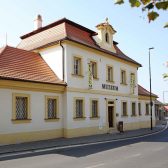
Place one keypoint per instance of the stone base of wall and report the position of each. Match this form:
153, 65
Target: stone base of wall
78, 132
138, 125
15, 138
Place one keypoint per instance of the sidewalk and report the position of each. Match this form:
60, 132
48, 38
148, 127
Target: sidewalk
60, 142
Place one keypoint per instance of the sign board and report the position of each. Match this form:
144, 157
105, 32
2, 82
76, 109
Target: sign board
132, 83
109, 87
90, 76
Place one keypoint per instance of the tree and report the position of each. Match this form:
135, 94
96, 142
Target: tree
165, 75
152, 7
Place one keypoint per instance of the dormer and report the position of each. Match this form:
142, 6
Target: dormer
105, 36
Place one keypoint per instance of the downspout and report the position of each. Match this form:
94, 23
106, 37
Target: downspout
63, 60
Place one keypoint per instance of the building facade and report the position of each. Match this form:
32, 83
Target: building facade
65, 80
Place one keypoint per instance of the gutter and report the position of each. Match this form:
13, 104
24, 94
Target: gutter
63, 60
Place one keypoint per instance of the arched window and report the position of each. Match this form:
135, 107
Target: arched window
107, 37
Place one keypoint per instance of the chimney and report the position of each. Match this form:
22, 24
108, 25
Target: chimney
38, 22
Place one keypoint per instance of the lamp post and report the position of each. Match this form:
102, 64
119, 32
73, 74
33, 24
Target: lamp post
151, 103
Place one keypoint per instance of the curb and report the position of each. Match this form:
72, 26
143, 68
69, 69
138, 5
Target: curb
43, 149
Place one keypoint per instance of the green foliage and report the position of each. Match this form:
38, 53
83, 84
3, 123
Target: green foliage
119, 2
162, 5
151, 6
166, 25
134, 3
144, 2
165, 75
152, 15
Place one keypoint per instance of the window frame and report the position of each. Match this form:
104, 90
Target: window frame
46, 108
122, 105
133, 113
123, 81
140, 108
83, 108
93, 62
147, 111
91, 108
107, 73
80, 71
107, 39
14, 118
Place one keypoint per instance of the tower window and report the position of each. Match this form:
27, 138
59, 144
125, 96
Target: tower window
107, 37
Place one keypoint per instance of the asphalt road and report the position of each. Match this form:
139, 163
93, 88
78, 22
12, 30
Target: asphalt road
146, 152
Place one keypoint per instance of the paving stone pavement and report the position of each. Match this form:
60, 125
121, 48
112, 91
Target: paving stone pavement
59, 142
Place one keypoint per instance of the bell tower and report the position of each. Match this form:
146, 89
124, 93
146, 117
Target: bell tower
105, 36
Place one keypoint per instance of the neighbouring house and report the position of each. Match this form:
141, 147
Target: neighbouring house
65, 80
166, 111
159, 110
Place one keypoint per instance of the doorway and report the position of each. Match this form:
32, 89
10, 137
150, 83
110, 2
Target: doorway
111, 116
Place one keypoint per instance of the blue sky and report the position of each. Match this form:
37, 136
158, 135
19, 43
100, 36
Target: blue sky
134, 34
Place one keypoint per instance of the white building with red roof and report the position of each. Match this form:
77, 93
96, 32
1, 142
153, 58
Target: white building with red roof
65, 80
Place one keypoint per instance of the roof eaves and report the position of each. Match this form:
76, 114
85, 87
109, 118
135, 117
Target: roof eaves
108, 52
24, 80
99, 49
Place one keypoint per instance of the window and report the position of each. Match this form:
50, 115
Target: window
109, 73
77, 66
79, 108
124, 108
94, 108
133, 109
94, 69
51, 108
139, 109
123, 77
21, 107
107, 37
147, 109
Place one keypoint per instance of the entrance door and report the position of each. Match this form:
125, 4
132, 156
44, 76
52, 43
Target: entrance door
110, 116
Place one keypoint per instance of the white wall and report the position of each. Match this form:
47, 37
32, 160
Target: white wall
102, 62
53, 57
37, 109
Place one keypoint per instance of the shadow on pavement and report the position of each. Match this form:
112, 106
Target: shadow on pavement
93, 149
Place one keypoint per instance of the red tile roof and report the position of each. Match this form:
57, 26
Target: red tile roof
50, 35
63, 20
143, 92
18, 64
166, 108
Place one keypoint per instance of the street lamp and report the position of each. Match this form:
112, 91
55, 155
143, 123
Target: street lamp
151, 103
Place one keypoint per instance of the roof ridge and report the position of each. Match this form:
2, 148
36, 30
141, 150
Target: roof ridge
54, 24
23, 50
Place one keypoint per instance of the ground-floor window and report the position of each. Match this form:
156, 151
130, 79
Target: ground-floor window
133, 109
51, 107
147, 108
139, 109
21, 107
124, 108
79, 108
94, 108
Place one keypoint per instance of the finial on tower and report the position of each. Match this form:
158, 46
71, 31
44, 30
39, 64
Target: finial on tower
107, 20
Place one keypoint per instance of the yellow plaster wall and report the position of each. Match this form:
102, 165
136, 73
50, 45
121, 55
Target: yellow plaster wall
14, 138
138, 125
78, 132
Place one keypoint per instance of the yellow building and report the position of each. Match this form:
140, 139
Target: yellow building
65, 80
